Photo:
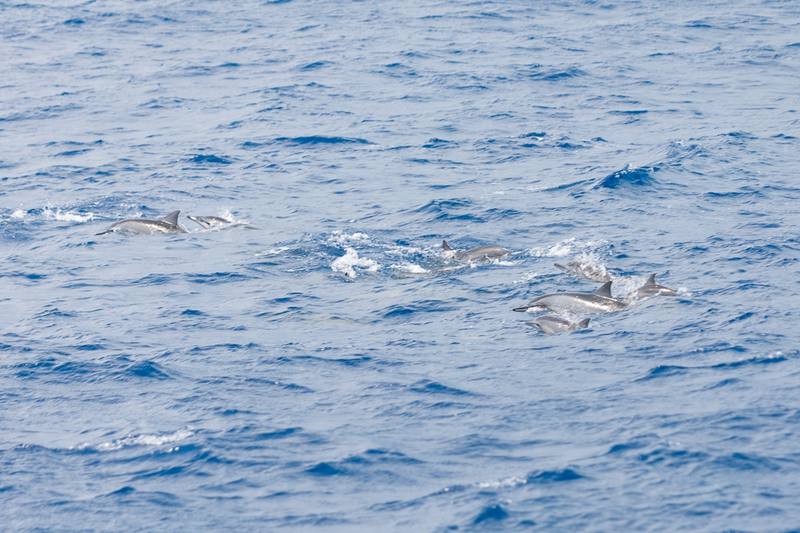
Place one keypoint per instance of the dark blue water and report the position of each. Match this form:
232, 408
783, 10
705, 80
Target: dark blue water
329, 369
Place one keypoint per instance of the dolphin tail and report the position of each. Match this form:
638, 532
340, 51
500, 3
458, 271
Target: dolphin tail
446, 247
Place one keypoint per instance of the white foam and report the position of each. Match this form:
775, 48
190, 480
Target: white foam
65, 216
565, 247
140, 440
499, 262
342, 239
589, 265
18, 214
527, 277
513, 481
410, 268
627, 287
347, 264
400, 251
560, 249
233, 219
273, 251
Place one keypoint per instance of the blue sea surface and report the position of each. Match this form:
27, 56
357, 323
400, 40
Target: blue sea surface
319, 363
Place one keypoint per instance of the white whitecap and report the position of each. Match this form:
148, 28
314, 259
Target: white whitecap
140, 440
342, 239
58, 214
273, 251
566, 247
348, 263
526, 277
410, 268
627, 287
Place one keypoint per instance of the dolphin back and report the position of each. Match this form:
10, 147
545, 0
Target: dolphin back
604, 290
171, 218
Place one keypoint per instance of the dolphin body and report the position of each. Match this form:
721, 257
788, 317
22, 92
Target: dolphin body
482, 253
212, 222
599, 301
651, 288
166, 224
585, 271
552, 324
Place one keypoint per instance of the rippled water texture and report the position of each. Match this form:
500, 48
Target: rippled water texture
319, 363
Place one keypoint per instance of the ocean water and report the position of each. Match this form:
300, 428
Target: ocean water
320, 364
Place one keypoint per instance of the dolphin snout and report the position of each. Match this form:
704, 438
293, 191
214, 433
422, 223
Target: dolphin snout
198, 220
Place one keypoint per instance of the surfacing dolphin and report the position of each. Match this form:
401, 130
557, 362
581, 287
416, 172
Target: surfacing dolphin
585, 271
553, 324
599, 301
651, 288
213, 222
481, 253
166, 224
209, 222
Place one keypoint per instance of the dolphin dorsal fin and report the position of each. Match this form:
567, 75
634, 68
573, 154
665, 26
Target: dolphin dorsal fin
604, 290
651, 280
584, 323
446, 247
171, 218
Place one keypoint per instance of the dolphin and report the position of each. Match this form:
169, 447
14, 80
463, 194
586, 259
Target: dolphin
482, 253
651, 288
166, 224
585, 271
599, 301
552, 324
212, 222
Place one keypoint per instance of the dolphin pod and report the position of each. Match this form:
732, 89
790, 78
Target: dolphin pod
599, 301
570, 303
166, 224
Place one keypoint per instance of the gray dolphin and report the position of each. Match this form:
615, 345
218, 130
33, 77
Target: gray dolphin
553, 324
481, 253
166, 224
585, 271
212, 222
599, 301
651, 288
